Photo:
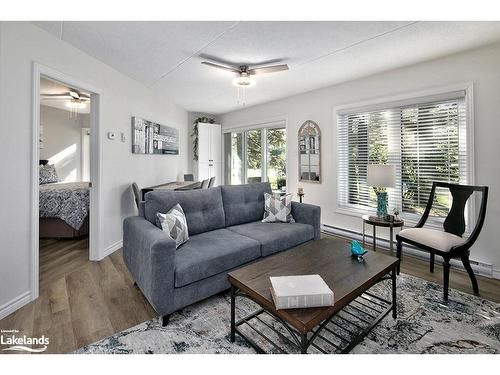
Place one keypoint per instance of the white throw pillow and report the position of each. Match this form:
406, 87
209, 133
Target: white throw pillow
277, 209
174, 224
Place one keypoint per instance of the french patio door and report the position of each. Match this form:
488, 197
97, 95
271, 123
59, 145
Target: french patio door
256, 155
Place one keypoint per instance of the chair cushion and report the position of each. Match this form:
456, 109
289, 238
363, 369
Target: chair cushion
210, 253
244, 203
203, 208
436, 239
275, 237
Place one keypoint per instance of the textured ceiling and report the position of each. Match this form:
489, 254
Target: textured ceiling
166, 56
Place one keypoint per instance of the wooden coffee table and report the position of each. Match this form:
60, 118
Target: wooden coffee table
337, 328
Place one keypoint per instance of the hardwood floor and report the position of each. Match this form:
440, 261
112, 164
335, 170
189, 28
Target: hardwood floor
81, 302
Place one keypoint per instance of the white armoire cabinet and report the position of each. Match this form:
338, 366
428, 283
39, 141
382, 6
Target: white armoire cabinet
209, 152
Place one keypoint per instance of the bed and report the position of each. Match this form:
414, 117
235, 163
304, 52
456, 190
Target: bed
64, 209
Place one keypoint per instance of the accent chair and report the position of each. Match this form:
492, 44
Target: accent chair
448, 244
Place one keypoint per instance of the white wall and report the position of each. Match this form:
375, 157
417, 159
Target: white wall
62, 141
21, 44
481, 66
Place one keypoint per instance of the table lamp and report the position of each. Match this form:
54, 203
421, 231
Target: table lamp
380, 177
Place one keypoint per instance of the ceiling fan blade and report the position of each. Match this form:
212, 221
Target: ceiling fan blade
56, 96
268, 69
229, 69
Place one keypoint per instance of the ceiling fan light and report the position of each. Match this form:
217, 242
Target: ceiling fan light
75, 104
244, 81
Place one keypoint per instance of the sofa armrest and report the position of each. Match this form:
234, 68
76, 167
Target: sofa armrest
308, 214
149, 255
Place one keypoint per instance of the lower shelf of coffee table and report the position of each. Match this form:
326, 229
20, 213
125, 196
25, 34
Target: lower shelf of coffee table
267, 333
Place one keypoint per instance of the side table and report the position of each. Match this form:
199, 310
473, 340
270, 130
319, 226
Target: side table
380, 222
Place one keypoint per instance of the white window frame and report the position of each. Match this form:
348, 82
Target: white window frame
275, 123
401, 99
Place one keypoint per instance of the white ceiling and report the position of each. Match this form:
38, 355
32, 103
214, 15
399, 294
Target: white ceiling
166, 56
48, 86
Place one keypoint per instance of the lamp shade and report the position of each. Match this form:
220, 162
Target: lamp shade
381, 175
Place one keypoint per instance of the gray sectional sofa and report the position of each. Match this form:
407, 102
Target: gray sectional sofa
225, 232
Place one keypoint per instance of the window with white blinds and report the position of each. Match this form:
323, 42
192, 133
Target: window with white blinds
425, 138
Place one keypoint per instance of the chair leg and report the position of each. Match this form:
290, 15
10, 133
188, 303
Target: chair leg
433, 255
446, 281
468, 268
399, 248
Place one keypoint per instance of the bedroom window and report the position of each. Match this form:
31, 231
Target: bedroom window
425, 138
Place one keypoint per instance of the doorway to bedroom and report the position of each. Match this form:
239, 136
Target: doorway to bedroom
64, 178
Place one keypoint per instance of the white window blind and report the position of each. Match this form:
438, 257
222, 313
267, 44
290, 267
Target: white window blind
425, 138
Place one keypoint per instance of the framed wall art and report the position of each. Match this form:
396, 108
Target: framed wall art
148, 137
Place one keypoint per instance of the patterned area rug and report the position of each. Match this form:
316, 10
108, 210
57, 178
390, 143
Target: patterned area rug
425, 324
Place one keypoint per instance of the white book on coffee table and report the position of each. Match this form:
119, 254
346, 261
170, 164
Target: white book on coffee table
293, 292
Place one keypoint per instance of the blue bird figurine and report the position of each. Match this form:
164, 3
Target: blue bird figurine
357, 251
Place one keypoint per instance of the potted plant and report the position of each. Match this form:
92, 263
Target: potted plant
281, 182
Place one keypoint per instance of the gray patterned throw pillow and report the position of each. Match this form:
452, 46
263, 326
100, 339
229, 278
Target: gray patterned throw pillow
174, 224
277, 209
47, 174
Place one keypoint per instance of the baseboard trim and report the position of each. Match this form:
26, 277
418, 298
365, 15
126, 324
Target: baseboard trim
112, 248
14, 304
496, 274
408, 249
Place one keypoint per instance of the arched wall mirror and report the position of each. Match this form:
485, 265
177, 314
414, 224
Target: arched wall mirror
309, 152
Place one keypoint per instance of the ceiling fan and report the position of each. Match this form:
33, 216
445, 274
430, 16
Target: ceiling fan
72, 94
245, 74
75, 100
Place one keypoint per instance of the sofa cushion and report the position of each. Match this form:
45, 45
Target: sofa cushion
203, 208
244, 203
275, 237
174, 225
278, 209
210, 253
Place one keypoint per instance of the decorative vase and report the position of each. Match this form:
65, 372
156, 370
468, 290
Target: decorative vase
381, 203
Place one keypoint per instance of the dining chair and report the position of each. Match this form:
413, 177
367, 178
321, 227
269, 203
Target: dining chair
189, 177
204, 184
137, 194
448, 244
211, 182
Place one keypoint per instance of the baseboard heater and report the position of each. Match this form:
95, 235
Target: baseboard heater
479, 268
